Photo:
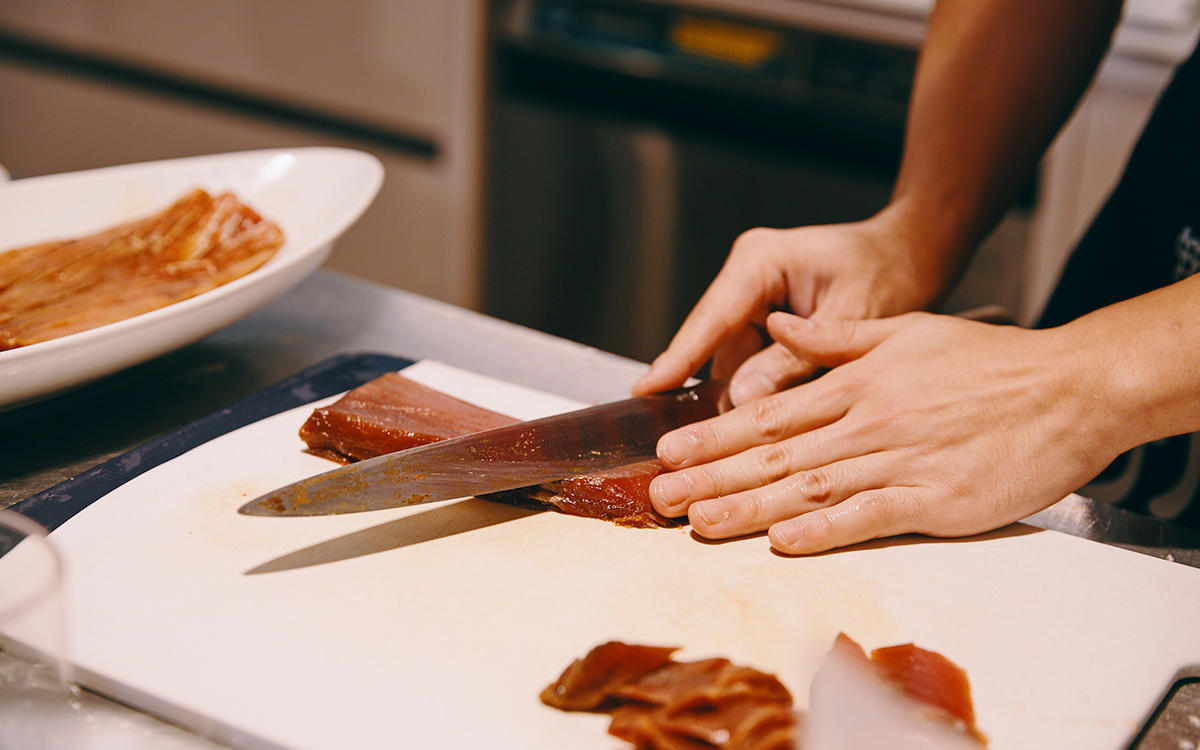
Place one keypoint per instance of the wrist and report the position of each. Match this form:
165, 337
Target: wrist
1093, 390
931, 254
1137, 363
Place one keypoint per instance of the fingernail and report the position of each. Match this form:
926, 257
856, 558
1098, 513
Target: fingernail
748, 386
712, 513
787, 320
670, 490
677, 447
650, 371
786, 533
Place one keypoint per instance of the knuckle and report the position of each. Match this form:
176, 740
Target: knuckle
814, 486
819, 530
877, 508
698, 436
876, 423
891, 512
697, 443
774, 462
843, 334
705, 482
755, 509
752, 242
767, 418
906, 510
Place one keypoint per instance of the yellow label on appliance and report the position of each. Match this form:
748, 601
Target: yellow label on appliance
727, 42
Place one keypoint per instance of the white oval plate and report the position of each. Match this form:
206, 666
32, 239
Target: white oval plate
314, 194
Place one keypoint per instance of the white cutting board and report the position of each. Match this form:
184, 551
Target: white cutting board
437, 626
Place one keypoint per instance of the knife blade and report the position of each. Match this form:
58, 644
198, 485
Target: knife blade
594, 439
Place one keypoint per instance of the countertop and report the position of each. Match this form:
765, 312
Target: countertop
328, 314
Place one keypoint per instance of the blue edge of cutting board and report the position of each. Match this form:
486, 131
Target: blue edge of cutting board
55, 506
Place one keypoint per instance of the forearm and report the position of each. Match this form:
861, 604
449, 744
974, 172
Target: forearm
995, 82
1141, 358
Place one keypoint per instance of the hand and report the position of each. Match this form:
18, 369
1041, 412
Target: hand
841, 271
926, 423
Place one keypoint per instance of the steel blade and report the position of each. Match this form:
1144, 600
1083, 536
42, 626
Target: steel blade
586, 441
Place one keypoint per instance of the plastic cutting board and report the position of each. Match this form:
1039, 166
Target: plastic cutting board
438, 625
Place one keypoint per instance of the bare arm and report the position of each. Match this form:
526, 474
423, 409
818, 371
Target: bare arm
935, 424
995, 81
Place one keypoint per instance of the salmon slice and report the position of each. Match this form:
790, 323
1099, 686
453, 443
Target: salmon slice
393, 413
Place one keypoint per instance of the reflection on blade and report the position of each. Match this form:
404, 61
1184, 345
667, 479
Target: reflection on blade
590, 440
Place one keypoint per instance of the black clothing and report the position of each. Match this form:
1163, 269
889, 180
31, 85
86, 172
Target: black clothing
1148, 233
1145, 237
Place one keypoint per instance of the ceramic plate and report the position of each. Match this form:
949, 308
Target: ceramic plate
314, 194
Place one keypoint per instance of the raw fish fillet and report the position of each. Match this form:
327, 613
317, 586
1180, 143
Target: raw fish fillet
392, 413
588, 684
388, 414
900, 697
199, 243
661, 704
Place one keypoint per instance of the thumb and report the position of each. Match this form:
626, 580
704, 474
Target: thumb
829, 343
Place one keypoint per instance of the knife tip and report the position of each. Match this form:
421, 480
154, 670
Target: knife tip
270, 505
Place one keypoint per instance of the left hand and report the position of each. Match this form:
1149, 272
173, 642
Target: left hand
926, 423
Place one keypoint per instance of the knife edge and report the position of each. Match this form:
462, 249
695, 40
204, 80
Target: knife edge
589, 440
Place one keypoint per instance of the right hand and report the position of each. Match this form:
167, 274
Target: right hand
840, 271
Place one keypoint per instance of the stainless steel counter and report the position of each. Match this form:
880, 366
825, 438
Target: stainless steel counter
50, 441
328, 314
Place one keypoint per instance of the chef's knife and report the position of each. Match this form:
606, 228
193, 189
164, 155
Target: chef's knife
589, 440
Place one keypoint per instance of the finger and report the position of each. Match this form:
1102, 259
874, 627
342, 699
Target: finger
740, 347
770, 370
765, 420
830, 343
732, 302
673, 493
705, 328
871, 514
801, 493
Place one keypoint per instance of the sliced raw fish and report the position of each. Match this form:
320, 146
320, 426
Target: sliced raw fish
392, 413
